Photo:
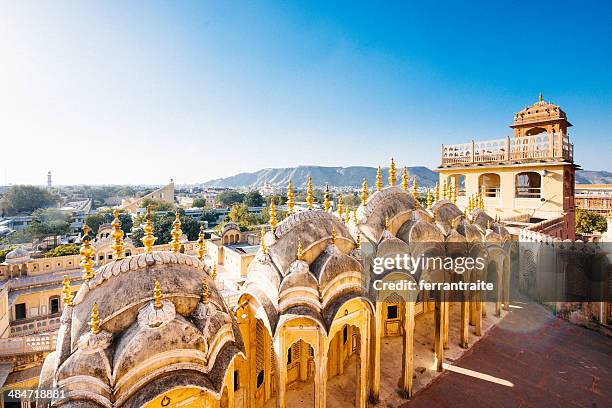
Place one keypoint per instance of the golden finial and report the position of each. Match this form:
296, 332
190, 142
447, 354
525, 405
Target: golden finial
157, 295
358, 244
429, 198
465, 212
148, 240
176, 233
94, 322
340, 207
213, 275
387, 222
273, 221
67, 292
262, 244
333, 236
326, 202
480, 201
488, 224
300, 251
415, 192
405, 179
309, 196
201, 248
436, 192
364, 192
540, 97
347, 217
435, 216
117, 236
454, 194
205, 290
379, 183
355, 215
87, 253
290, 198
444, 192
392, 174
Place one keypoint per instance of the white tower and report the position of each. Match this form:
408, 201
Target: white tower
49, 184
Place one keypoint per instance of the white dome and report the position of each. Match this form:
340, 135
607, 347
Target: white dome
18, 256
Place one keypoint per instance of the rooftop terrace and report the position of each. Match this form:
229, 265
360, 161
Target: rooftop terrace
540, 147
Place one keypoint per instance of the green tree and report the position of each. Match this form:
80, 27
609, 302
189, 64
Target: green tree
63, 250
26, 199
253, 199
199, 202
239, 213
49, 222
5, 251
157, 205
162, 224
209, 215
229, 197
94, 221
588, 222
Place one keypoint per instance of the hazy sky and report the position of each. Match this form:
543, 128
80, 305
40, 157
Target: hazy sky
111, 92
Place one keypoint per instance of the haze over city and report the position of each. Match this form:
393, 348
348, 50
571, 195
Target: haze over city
120, 93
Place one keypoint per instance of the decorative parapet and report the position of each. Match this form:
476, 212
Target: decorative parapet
545, 146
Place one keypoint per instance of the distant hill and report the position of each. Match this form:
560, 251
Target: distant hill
593, 177
334, 176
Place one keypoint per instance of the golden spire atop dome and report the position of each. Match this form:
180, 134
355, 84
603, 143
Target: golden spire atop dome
379, 183
300, 251
273, 220
364, 191
94, 322
205, 290
415, 191
326, 202
117, 236
157, 295
262, 243
436, 192
358, 243
66, 292
540, 97
429, 198
213, 275
347, 217
355, 215
309, 196
87, 252
290, 198
176, 233
201, 248
392, 174
454, 194
405, 178
333, 235
387, 222
444, 191
148, 239
340, 207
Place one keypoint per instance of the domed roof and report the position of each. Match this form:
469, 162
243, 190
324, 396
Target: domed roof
17, 256
541, 111
135, 333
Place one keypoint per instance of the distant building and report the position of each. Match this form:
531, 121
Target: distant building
165, 193
594, 197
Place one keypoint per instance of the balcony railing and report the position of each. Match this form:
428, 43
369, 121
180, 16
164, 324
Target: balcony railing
544, 146
28, 344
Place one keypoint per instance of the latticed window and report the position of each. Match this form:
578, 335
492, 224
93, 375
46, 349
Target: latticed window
259, 345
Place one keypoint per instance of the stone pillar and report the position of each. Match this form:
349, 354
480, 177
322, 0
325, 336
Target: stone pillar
251, 353
304, 348
446, 323
478, 315
281, 391
439, 334
320, 379
375, 360
230, 386
364, 344
408, 350
465, 323
507, 283
267, 368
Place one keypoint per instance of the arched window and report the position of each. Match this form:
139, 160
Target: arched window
489, 184
458, 182
528, 185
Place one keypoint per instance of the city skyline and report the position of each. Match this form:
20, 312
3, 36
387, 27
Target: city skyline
126, 94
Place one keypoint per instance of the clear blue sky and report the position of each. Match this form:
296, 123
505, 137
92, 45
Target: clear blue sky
139, 92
